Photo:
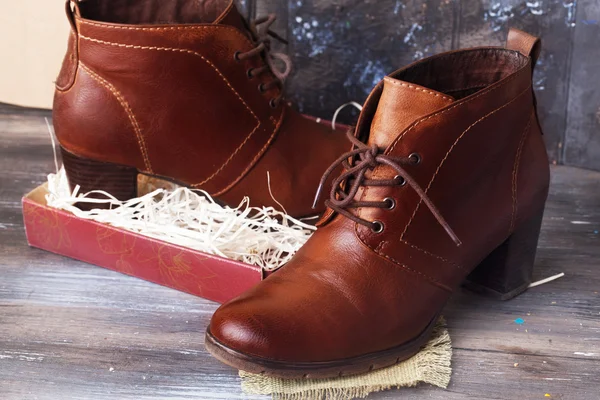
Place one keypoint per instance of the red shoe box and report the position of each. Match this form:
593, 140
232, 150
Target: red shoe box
205, 275
191, 271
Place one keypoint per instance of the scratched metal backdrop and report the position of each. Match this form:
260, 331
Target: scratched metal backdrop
342, 48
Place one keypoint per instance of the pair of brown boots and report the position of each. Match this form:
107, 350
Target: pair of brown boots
443, 181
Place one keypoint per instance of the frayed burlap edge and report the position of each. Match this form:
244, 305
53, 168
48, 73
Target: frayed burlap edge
431, 365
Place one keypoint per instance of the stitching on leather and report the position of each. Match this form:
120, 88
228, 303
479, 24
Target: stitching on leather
425, 276
168, 28
176, 50
228, 159
513, 217
431, 254
452, 148
256, 157
467, 101
162, 28
380, 246
127, 109
419, 89
403, 266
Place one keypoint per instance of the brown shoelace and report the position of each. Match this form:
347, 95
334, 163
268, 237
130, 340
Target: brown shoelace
356, 163
262, 34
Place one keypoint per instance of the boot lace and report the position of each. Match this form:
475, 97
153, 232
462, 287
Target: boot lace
356, 163
260, 29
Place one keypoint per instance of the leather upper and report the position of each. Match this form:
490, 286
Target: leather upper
350, 291
172, 100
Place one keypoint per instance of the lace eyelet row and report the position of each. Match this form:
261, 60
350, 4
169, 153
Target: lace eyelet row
378, 226
250, 74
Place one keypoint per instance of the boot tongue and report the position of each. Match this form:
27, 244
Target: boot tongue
400, 105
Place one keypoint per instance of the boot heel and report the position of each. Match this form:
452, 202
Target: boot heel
507, 271
118, 180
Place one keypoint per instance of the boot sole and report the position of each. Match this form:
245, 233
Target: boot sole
317, 370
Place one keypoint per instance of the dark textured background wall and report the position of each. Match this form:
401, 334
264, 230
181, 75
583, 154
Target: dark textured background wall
342, 48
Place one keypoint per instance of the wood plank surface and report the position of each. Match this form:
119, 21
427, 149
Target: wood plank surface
74, 331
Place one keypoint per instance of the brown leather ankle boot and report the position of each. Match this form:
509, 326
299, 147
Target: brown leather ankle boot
188, 91
446, 184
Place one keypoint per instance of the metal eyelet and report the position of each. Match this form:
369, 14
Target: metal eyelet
415, 158
377, 227
261, 88
236, 56
249, 73
391, 203
401, 180
272, 103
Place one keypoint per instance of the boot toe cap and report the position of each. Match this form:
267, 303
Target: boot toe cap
237, 332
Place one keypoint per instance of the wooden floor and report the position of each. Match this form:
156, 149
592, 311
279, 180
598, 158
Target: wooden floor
74, 331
